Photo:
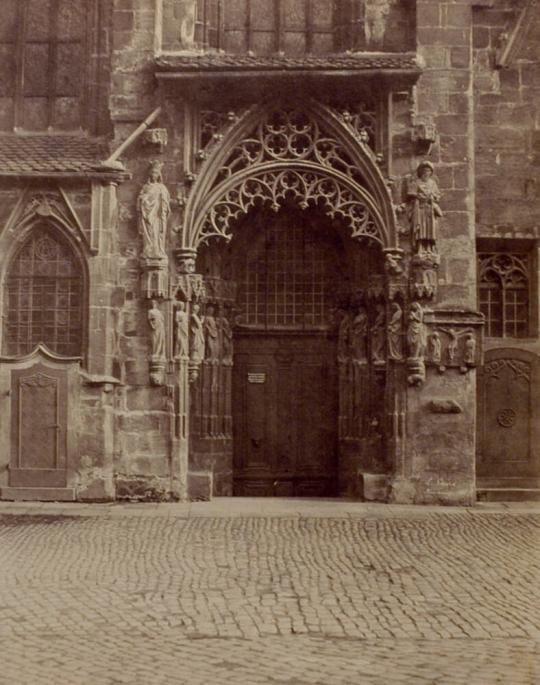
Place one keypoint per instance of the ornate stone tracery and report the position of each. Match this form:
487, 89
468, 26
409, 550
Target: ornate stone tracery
308, 187
311, 154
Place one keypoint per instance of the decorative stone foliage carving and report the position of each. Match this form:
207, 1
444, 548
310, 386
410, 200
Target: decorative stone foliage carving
361, 117
190, 287
212, 125
424, 273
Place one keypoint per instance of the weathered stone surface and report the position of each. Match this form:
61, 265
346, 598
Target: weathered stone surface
445, 407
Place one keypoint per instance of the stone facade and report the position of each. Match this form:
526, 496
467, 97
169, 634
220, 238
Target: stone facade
396, 140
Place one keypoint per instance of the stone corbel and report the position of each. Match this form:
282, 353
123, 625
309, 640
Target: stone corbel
424, 274
155, 277
190, 287
424, 135
156, 138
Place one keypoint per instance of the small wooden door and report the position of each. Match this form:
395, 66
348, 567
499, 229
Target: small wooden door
508, 417
285, 415
38, 427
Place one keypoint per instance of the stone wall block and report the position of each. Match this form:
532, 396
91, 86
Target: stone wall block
443, 36
124, 20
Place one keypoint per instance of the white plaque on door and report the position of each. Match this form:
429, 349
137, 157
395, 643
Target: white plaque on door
256, 378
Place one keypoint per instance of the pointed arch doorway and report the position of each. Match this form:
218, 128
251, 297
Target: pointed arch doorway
296, 272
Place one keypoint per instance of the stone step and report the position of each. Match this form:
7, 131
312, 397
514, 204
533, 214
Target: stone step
37, 494
508, 482
508, 494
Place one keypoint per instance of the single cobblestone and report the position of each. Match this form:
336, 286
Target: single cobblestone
435, 598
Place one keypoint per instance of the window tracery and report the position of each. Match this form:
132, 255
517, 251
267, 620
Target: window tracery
44, 298
504, 287
290, 134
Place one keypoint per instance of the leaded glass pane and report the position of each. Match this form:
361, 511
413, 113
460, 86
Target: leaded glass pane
44, 298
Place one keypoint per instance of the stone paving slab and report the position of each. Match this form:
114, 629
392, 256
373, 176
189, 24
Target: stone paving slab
303, 593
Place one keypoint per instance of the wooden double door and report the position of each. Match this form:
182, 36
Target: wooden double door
285, 415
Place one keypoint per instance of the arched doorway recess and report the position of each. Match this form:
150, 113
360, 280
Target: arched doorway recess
280, 179
308, 378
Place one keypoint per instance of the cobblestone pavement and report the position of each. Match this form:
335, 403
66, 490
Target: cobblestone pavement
103, 595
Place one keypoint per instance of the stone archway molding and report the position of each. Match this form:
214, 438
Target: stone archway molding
306, 152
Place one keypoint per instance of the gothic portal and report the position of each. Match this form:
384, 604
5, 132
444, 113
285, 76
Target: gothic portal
272, 253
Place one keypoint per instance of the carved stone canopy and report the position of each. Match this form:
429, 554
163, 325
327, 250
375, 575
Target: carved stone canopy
306, 152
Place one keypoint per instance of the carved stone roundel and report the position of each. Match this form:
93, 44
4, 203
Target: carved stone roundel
507, 418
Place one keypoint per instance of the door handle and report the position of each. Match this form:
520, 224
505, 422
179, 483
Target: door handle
255, 442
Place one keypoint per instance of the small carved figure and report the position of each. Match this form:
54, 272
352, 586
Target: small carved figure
394, 329
424, 197
211, 334
376, 12
187, 12
157, 324
344, 338
416, 332
181, 320
186, 265
197, 335
226, 340
451, 350
435, 348
154, 207
393, 264
378, 334
359, 330
469, 355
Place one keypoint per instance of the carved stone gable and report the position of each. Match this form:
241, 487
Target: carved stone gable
52, 205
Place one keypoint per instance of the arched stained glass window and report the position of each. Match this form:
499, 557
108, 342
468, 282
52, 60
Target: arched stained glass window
44, 298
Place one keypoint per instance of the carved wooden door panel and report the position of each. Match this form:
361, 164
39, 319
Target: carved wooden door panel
38, 427
285, 416
509, 417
